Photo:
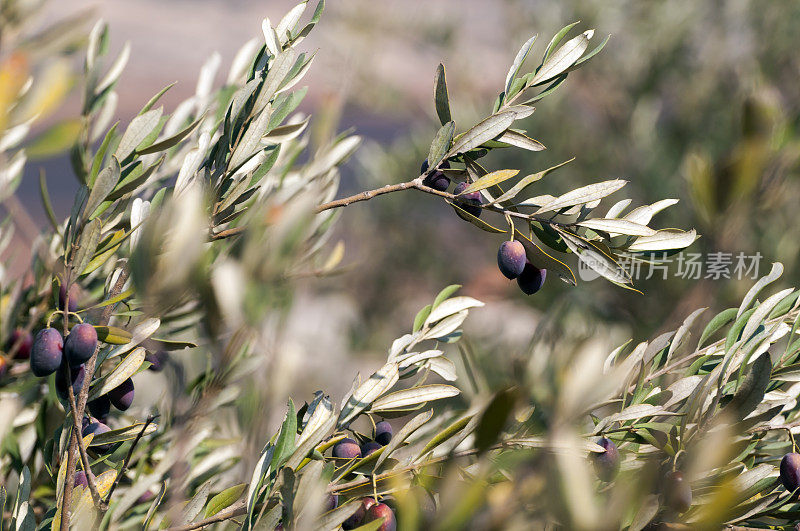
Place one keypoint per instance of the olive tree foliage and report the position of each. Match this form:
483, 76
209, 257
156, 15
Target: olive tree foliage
189, 233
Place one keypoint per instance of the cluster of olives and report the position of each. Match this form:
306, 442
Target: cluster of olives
50, 352
511, 258
370, 509
348, 448
676, 491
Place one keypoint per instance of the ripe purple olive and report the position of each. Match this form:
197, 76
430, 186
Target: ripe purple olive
156, 359
122, 396
511, 259
80, 344
100, 407
146, 497
347, 448
370, 447
383, 433
332, 502
24, 341
381, 511
677, 492
76, 377
96, 428
47, 352
80, 479
531, 279
468, 202
437, 179
357, 518
606, 464
790, 471
73, 297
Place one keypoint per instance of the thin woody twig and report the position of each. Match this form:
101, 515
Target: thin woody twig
126, 462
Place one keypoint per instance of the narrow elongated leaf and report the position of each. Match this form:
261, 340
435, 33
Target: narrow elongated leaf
289, 21
141, 331
303, 450
721, 319
751, 392
583, 195
521, 140
103, 186
113, 335
486, 130
618, 226
171, 141
644, 214
333, 519
518, 60
195, 505
440, 96
446, 326
441, 144
376, 385
752, 293
556, 40
319, 413
562, 59
663, 240
285, 444
115, 71
284, 133
597, 260
414, 396
224, 499
280, 67
443, 367
489, 180
124, 370
451, 306
527, 181
87, 245
617, 209
123, 434
763, 310
139, 129
634, 412
445, 294
404, 433
446, 434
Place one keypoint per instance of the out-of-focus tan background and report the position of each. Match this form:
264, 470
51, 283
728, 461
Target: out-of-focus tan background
691, 100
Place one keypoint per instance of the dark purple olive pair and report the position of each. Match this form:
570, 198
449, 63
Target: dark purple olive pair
369, 511
513, 263
49, 349
437, 179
